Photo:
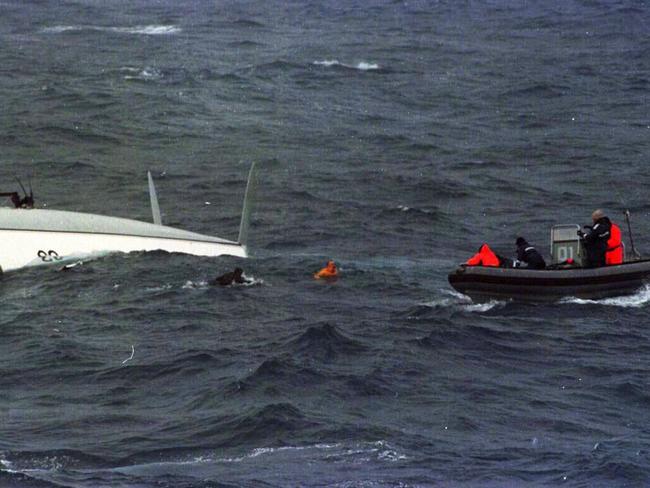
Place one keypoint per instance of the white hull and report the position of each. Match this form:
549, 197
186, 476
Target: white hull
31, 237
38, 237
19, 248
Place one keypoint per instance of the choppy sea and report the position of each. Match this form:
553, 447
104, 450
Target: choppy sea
392, 136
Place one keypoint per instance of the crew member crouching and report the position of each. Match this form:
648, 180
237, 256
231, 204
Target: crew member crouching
528, 254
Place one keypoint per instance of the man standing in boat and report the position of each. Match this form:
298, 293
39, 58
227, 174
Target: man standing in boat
595, 239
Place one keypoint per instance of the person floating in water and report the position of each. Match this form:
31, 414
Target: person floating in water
528, 254
227, 279
328, 272
26, 202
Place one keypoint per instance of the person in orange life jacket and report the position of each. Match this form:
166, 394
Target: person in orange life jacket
614, 247
484, 257
328, 271
529, 255
595, 239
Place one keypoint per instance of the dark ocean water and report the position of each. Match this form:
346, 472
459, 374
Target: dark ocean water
393, 137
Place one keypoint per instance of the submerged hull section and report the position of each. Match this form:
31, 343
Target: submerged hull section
37, 237
484, 283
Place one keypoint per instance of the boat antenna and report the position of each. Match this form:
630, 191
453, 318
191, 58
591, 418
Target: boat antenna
249, 195
21, 185
629, 230
28, 200
155, 208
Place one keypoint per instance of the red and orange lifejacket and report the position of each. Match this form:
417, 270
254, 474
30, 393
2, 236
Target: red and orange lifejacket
328, 271
614, 246
484, 257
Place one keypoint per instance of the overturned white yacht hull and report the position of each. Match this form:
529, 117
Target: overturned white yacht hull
37, 237
31, 237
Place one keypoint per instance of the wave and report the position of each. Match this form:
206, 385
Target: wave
247, 23
321, 454
370, 385
145, 74
249, 281
48, 460
271, 421
412, 212
276, 372
189, 285
325, 451
149, 30
381, 449
362, 66
542, 90
457, 300
325, 339
263, 451
640, 299
245, 44
405, 208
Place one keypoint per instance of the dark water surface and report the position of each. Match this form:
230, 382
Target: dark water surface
393, 137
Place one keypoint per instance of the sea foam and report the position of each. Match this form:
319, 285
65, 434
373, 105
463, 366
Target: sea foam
362, 66
462, 302
150, 30
640, 299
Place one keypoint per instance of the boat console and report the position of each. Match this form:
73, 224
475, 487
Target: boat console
565, 244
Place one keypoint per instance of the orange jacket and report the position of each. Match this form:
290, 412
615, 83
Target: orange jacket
614, 246
328, 271
484, 257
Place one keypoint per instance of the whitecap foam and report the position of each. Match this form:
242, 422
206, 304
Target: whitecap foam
327, 63
165, 287
57, 29
250, 281
262, 451
191, 284
367, 66
362, 66
405, 208
640, 299
145, 74
463, 302
149, 30
363, 451
7, 466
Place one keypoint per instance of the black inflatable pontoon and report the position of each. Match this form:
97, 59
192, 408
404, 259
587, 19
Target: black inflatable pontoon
558, 280
485, 283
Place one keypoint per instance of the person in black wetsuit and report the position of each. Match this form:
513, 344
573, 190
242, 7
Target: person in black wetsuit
227, 279
595, 239
15, 198
529, 255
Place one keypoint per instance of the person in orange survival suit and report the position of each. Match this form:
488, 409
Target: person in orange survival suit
328, 271
484, 257
614, 246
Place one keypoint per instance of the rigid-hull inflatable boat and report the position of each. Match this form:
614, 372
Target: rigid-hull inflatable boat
558, 280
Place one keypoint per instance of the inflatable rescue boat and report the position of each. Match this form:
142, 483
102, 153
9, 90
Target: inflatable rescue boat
556, 281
